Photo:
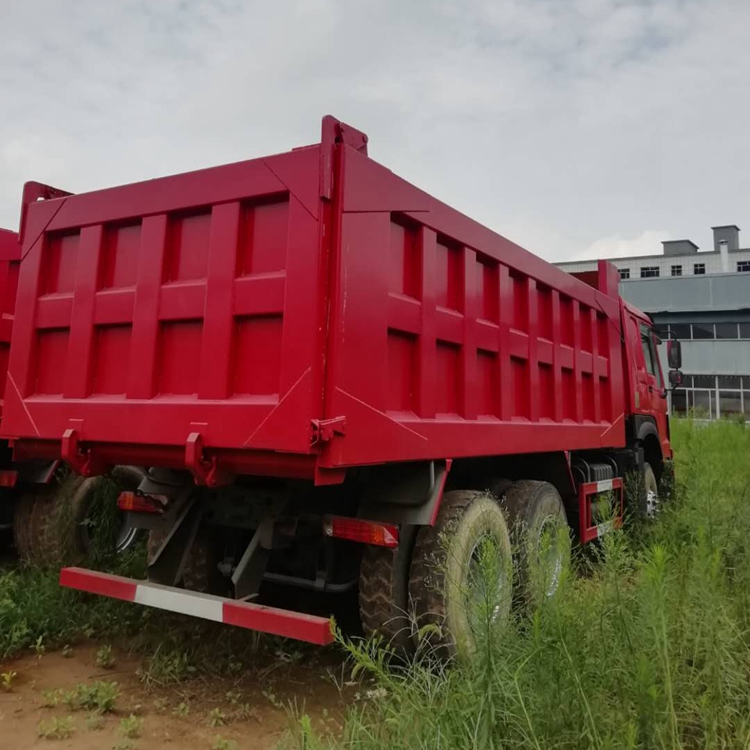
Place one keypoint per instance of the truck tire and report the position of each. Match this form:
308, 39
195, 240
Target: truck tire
649, 506
642, 493
22, 526
55, 525
196, 576
540, 535
55, 528
384, 592
462, 589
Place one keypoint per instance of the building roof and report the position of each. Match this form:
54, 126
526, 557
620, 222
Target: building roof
675, 242
638, 257
691, 257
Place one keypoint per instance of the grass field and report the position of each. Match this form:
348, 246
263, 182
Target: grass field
646, 644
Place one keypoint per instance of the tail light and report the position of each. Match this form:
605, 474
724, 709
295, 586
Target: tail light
8, 478
357, 530
135, 503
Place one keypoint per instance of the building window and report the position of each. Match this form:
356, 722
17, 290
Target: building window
649, 272
676, 270
726, 330
704, 381
701, 402
703, 330
743, 266
681, 331
730, 403
745, 330
699, 269
679, 398
624, 273
730, 382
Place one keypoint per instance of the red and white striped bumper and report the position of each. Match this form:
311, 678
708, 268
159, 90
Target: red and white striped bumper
282, 622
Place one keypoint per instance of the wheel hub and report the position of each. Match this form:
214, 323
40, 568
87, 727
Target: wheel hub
549, 554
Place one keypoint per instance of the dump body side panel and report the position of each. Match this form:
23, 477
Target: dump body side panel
297, 313
10, 256
448, 340
183, 306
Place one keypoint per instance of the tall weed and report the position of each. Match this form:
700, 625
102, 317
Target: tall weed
647, 649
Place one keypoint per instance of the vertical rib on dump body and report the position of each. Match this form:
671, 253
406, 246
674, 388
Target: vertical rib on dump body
297, 313
10, 255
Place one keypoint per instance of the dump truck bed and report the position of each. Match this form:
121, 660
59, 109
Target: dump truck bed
295, 315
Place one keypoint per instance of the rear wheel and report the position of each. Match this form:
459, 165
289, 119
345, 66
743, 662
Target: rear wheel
540, 535
22, 526
78, 520
57, 528
384, 592
461, 574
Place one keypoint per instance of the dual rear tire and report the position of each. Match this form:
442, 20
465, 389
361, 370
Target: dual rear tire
461, 579
541, 538
71, 521
455, 588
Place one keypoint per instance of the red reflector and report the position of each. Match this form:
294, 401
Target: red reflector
356, 530
137, 503
8, 478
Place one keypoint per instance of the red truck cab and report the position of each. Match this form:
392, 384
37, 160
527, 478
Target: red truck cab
647, 392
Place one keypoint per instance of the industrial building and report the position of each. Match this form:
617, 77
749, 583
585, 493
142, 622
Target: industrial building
703, 298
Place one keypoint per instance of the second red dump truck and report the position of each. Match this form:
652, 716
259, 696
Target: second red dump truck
30, 489
333, 381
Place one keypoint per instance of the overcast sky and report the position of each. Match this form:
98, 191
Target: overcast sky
578, 128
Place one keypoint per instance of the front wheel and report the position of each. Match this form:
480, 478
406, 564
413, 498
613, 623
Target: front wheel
461, 574
650, 496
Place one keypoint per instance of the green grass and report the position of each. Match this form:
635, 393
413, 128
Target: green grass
35, 611
646, 644
37, 615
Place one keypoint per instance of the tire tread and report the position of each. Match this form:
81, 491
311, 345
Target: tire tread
427, 575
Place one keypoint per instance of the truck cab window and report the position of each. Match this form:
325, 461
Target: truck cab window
649, 354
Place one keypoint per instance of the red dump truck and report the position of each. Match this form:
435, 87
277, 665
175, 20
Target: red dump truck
18, 481
332, 380
30, 489
10, 257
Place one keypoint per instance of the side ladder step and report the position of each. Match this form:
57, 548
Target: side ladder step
271, 620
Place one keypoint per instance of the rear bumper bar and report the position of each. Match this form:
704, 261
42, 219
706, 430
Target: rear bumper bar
271, 620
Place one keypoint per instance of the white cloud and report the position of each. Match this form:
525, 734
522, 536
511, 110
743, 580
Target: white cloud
558, 124
646, 243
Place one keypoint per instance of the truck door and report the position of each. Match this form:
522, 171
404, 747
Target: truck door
653, 392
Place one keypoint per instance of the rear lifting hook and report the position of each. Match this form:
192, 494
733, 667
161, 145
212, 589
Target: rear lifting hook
80, 460
205, 472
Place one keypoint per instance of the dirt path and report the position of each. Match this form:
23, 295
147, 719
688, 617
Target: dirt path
253, 707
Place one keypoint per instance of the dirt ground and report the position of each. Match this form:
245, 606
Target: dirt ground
254, 706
